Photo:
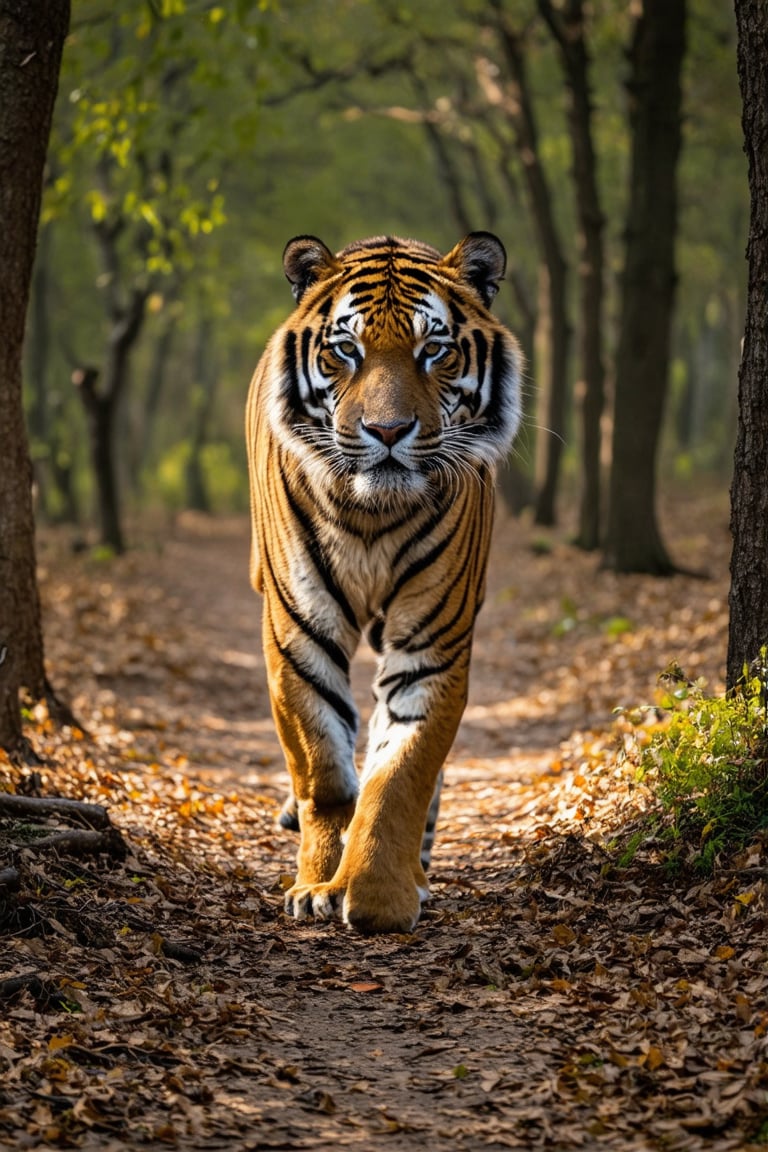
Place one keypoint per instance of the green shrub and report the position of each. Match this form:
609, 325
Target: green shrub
709, 764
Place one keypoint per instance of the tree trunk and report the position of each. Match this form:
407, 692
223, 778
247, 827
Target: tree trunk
31, 41
101, 408
206, 377
551, 437
38, 346
748, 631
156, 378
567, 27
634, 542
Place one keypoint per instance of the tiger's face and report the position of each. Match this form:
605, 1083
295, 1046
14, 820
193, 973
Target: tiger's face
395, 373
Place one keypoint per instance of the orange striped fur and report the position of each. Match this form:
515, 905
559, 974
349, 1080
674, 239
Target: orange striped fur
375, 421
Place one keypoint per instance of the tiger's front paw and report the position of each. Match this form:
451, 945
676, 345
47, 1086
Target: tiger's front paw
392, 903
323, 901
364, 902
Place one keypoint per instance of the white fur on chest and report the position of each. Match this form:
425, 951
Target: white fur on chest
367, 569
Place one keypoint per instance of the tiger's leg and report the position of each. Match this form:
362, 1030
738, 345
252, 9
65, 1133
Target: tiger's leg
308, 674
289, 814
381, 882
428, 839
424, 637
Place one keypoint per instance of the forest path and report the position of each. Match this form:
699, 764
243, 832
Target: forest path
544, 1000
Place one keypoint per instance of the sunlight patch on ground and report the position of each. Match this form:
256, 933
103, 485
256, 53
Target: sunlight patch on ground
241, 659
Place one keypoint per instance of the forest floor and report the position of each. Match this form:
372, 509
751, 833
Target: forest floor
553, 995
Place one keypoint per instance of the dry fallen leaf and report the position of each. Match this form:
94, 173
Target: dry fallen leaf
588, 1005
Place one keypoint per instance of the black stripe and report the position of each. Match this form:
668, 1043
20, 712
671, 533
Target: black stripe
329, 646
401, 680
318, 559
466, 349
415, 568
416, 274
356, 286
440, 632
290, 372
394, 718
426, 528
306, 340
407, 642
342, 507
338, 703
457, 315
376, 635
481, 345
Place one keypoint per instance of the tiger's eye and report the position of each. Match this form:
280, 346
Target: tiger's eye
346, 348
432, 348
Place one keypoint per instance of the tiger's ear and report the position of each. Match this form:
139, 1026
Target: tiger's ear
305, 261
480, 260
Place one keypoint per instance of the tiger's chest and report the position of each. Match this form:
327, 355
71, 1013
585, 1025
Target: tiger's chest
366, 569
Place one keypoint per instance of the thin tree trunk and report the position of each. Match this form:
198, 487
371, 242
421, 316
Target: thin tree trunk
524, 296
155, 384
519, 108
31, 42
567, 26
514, 480
101, 405
202, 405
634, 543
748, 630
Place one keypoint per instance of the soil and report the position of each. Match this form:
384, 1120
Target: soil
548, 997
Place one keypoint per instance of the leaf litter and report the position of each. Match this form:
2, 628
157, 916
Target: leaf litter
556, 993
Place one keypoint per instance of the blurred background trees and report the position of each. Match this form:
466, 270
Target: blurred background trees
191, 140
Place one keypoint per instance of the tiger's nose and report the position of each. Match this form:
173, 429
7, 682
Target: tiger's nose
390, 433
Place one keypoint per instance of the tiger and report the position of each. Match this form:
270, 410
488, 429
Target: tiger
375, 420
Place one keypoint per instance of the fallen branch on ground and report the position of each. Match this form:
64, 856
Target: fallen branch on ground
37, 807
81, 841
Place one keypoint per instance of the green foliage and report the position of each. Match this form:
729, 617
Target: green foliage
191, 140
709, 764
223, 477
145, 124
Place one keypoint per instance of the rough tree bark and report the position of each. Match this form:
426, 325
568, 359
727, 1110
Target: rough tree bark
567, 27
748, 630
31, 42
634, 542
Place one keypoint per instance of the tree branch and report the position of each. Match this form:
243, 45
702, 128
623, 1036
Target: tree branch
41, 807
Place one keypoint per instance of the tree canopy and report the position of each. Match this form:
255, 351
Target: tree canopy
192, 140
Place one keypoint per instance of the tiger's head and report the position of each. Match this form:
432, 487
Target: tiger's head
393, 373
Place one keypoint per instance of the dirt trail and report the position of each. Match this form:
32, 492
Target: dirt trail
538, 1003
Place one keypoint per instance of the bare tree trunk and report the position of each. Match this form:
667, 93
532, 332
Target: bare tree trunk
567, 26
634, 542
748, 630
155, 384
31, 41
519, 107
38, 344
206, 378
101, 405
514, 482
